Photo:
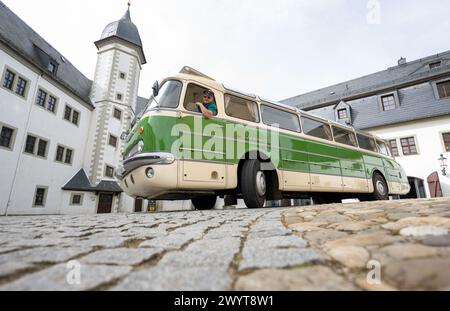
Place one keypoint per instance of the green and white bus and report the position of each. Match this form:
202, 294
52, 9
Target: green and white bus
253, 149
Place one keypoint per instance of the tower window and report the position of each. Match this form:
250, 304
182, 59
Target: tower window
122, 75
109, 171
112, 141
119, 96
117, 114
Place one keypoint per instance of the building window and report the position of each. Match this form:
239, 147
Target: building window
443, 89
342, 114
446, 138
77, 199
435, 65
112, 141
67, 113
51, 104
388, 102
394, 147
39, 197
6, 137
408, 146
41, 98
122, 75
64, 155
75, 117
117, 114
42, 148
21, 86
59, 154
8, 80
119, 96
71, 115
109, 171
30, 144
68, 159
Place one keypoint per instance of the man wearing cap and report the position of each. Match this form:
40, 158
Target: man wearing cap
208, 108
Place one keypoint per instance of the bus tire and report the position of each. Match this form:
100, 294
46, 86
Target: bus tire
253, 184
381, 190
204, 203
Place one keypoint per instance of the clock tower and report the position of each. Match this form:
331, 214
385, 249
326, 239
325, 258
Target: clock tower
114, 94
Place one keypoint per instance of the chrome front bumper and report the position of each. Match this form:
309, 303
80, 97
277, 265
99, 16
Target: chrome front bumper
143, 159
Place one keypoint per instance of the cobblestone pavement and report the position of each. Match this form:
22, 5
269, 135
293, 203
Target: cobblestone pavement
310, 248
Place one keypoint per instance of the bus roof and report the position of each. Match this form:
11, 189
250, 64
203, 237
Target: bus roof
189, 73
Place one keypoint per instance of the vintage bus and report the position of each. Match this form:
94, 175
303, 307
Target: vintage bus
253, 148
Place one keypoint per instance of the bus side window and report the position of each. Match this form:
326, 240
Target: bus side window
241, 108
383, 148
194, 94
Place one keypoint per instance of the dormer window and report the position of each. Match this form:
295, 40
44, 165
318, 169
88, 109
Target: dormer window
435, 65
52, 67
342, 114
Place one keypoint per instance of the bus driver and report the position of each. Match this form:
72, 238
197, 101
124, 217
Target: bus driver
209, 107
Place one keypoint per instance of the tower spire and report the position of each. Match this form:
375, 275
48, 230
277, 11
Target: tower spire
129, 4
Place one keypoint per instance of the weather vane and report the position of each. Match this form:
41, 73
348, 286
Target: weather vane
129, 3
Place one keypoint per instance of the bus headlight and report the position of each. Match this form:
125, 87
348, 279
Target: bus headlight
150, 172
140, 146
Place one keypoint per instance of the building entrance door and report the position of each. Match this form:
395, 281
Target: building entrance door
434, 185
138, 205
105, 203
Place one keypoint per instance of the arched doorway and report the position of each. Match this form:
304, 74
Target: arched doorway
434, 185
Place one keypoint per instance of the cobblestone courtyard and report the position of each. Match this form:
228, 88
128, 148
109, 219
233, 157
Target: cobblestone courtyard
399, 244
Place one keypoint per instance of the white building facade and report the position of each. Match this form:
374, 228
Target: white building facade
60, 132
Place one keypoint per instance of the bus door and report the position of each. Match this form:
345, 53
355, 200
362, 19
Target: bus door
203, 156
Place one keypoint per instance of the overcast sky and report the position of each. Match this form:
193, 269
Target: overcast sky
276, 49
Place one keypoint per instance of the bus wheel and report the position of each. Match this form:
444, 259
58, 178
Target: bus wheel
380, 186
253, 184
204, 203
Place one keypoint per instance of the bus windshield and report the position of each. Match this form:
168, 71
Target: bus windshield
168, 97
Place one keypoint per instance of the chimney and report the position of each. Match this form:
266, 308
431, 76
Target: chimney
402, 61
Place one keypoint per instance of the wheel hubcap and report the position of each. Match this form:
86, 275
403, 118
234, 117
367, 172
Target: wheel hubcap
380, 187
261, 183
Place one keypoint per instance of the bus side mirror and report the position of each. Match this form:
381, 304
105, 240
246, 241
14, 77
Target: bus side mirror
155, 89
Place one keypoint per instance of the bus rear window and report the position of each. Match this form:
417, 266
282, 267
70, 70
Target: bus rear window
316, 128
240, 108
285, 120
344, 136
366, 142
